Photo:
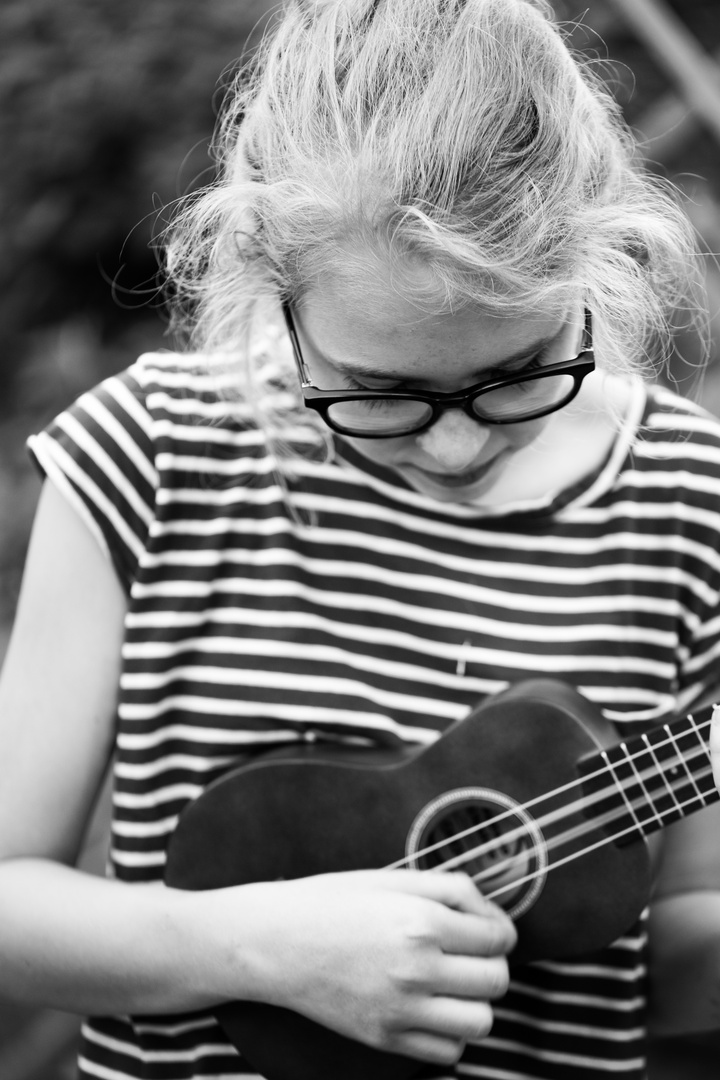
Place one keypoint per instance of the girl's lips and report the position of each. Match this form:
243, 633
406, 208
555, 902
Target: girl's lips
458, 480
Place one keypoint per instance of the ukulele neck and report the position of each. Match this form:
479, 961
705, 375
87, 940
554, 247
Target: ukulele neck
645, 783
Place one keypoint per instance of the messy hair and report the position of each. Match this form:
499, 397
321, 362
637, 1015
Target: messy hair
460, 133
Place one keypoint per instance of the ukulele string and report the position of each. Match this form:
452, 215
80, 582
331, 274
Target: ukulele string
578, 831
568, 810
588, 826
602, 842
567, 836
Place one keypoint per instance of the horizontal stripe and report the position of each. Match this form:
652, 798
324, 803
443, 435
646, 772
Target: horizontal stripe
145, 830
529, 605
593, 1032
557, 1057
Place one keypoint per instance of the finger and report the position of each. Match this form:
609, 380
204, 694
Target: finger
468, 977
470, 935
427, 1046
456, 1018
715, 744
454, 890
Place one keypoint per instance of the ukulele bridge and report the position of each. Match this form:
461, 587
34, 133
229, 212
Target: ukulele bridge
487, 835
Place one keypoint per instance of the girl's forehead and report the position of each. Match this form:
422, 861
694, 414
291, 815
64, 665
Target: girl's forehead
379, 293
391, 288
378, 310
376, 332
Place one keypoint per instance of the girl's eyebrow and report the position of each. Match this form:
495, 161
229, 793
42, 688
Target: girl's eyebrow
509, 365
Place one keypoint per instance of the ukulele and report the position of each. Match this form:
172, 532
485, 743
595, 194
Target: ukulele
531, 795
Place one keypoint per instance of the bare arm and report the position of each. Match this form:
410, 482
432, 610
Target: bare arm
63, 935
58, 687
403, 960
685, 929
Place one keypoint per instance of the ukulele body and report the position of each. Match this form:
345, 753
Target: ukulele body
314, 809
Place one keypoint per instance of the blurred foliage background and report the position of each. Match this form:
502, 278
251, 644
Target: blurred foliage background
106, 113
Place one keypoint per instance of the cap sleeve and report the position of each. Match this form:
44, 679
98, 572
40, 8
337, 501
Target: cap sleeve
99, 454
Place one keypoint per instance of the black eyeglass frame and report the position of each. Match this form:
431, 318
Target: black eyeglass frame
439, 401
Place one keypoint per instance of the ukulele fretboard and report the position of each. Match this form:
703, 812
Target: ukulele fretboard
647, 782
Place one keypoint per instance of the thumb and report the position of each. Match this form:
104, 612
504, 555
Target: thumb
455, 890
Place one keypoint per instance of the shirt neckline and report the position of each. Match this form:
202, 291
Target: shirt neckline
583, 492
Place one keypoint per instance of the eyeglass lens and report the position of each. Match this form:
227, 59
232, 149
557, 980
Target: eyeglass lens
505, 403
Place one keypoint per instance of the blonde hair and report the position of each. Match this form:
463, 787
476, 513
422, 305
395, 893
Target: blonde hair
463, 134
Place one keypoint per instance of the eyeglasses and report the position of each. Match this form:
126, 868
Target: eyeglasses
512, 399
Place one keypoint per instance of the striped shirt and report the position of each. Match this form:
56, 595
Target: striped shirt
375, 613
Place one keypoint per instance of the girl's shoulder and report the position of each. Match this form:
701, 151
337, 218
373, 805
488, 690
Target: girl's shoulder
188, 387
664, 404
161, 424
674, 427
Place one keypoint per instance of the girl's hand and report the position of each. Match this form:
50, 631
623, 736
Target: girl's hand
404, 961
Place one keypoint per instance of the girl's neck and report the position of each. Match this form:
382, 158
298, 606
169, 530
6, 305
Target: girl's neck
573, 445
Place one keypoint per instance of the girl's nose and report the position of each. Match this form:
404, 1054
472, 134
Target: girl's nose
454, 441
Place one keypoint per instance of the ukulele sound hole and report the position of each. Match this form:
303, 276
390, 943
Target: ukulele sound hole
488, 836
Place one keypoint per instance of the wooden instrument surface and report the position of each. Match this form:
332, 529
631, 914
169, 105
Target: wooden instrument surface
531, 794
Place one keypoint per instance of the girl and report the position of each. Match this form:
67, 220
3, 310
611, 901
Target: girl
407, 462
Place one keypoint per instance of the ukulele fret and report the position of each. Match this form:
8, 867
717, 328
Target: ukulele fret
668, 772
693, 789
693, 781
606, 796
630, 773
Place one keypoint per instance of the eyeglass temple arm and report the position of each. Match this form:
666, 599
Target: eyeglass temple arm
295, 342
